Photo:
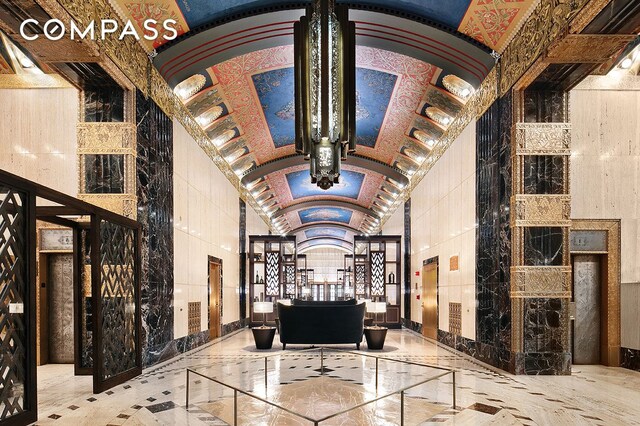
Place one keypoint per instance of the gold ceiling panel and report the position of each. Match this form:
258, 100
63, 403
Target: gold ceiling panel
586, 48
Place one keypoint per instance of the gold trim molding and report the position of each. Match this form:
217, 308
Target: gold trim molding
586, 48
31, 81
543, 138
123, 204
541, 281
541, 210
548, 22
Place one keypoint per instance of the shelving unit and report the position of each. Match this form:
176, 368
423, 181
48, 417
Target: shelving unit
272, 272
377, 273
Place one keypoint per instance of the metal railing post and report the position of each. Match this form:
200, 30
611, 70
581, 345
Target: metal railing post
402, 408
265, 376
321, 361
376, 374
235, 407
187, 388
454, 389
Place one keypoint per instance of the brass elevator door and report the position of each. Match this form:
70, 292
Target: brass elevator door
430, 300
214, 300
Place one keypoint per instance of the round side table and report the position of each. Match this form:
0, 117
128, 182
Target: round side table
263, 336
375, 337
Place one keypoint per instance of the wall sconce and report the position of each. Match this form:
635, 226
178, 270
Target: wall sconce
325, 90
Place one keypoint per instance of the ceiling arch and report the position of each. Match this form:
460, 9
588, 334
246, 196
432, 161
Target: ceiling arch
417, 64
322, 203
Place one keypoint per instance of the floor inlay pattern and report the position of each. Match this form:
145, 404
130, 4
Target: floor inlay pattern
592, 395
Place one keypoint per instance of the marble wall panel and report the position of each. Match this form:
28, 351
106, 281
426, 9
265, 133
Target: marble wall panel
493, 234
605, 177
443, 225
44, 153
155, 212
543, 174
545, 106
104, 174
543, 325
103, 103
543, 246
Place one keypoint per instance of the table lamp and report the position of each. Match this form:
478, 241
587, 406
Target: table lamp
376, 308
263, 308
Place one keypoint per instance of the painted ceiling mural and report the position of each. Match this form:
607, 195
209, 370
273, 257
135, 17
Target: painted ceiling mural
491, 22
236, 78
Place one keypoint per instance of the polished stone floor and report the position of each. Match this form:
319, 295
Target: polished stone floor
592, 395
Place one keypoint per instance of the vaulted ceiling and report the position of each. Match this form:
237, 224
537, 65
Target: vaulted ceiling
418, 62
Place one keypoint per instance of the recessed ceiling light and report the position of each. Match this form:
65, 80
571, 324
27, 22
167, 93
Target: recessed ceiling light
26, 62
626, 63
465, 92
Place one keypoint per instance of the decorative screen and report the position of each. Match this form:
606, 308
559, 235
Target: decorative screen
290, 273
360, 279
272, 279
118, 298
377, 273
13, 286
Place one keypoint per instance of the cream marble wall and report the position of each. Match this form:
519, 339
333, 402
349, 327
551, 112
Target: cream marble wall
443, 217
38, 128
206, 223
605, 175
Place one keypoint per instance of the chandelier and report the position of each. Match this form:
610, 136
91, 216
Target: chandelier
325, 89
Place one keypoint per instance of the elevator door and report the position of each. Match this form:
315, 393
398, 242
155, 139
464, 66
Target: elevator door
586, 293
61, 309
430, 300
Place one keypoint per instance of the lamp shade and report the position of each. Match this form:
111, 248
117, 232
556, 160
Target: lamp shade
262, 307
376, 307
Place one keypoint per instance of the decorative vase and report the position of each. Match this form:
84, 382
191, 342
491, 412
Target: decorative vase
392, 278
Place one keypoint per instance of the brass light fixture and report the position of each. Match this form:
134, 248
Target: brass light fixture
325, 89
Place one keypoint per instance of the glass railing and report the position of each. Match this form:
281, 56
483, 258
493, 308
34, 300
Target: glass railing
382, 386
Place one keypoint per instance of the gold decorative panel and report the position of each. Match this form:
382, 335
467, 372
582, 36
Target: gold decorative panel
547, 22
586, 48
454, 263
541, 210
123, 204
106, 138
543, 138
455, 318
541, 281
194, 317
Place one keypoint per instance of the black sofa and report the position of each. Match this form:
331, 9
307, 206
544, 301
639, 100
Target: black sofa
320, 323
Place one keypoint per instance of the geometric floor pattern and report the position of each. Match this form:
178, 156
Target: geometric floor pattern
592, 395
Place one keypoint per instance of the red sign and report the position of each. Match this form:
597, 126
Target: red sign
417, 273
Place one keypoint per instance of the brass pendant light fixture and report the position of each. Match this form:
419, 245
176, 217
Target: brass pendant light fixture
325, 89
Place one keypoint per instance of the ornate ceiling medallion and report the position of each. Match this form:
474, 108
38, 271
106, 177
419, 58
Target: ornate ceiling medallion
324, 52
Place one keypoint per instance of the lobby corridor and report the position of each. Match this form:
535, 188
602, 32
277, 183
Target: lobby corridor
592, 395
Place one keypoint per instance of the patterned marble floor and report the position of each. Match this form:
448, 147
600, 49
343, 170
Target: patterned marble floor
592, 395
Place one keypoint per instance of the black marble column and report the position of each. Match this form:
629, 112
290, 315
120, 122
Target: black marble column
155, 213
243, 259
407, 261
493, 237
